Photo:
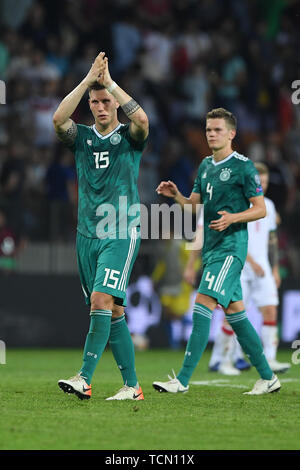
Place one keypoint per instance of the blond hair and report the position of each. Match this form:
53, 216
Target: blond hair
261, 168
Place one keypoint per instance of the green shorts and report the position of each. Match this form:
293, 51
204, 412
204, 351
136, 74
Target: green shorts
105, 265
221, 280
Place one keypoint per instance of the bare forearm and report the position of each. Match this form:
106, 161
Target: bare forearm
69, 104
131, 108
185, 202
249, 215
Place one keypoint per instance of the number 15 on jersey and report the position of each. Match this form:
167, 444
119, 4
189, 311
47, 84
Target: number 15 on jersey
101, 159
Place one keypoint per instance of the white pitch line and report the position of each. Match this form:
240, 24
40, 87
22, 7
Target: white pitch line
218, 383
227, 383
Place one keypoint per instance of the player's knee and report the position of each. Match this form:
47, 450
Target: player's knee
101, 301
117, 311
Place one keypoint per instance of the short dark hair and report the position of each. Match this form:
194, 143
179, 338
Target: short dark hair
95, 86
221, 113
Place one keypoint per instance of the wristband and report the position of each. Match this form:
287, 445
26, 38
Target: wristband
112, 87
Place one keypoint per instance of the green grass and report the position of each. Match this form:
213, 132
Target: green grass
36, 414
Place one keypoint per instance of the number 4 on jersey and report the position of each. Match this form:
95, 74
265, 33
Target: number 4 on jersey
209, 190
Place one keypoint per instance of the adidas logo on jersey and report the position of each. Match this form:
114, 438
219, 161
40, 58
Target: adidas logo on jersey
223, 292
89, 142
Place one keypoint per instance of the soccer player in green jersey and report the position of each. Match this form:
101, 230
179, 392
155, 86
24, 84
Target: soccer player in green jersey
107, 156
226, 184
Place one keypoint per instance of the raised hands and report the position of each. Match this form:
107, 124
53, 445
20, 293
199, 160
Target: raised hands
96, 71
105, 78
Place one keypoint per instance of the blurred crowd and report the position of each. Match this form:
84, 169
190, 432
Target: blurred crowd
178, 59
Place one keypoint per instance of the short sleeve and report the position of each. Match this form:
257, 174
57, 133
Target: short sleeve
196, 187
197, 182
252, 184
135, 144
78, 139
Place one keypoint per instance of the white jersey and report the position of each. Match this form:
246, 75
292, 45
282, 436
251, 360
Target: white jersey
262, 290
258, 234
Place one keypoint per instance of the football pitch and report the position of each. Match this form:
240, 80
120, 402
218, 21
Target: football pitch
214, 414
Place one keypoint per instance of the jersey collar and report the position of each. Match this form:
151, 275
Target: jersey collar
222, 161
106, 135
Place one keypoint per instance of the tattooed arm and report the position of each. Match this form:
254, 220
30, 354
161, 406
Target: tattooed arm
67, 132
139, 125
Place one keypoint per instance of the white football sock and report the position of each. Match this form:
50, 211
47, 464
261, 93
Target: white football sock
269, 337
222, 345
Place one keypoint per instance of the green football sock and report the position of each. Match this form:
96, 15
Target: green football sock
250, 343
197, 342
96, 341
123, 350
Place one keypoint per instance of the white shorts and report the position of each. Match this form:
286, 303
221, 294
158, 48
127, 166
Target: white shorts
261, 290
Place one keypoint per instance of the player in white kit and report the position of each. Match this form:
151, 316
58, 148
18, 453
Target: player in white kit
260, 280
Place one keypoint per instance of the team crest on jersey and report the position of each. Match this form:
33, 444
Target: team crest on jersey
225, 174
115, 139
89, 142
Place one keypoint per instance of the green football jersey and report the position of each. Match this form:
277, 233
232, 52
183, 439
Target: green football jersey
226, 186
107, 171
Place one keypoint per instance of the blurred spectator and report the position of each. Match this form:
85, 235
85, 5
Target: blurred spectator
39, 69
232, 75
35, 25
179, 59
177, 167
12, 184
8, 245
156, 58
149, 177
43, 106
61, 195
196, 88
127, 41
58, 53
197, 42
281, 189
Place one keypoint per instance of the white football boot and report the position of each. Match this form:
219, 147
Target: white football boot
172, 386
76, 385
265, 386
128, 393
